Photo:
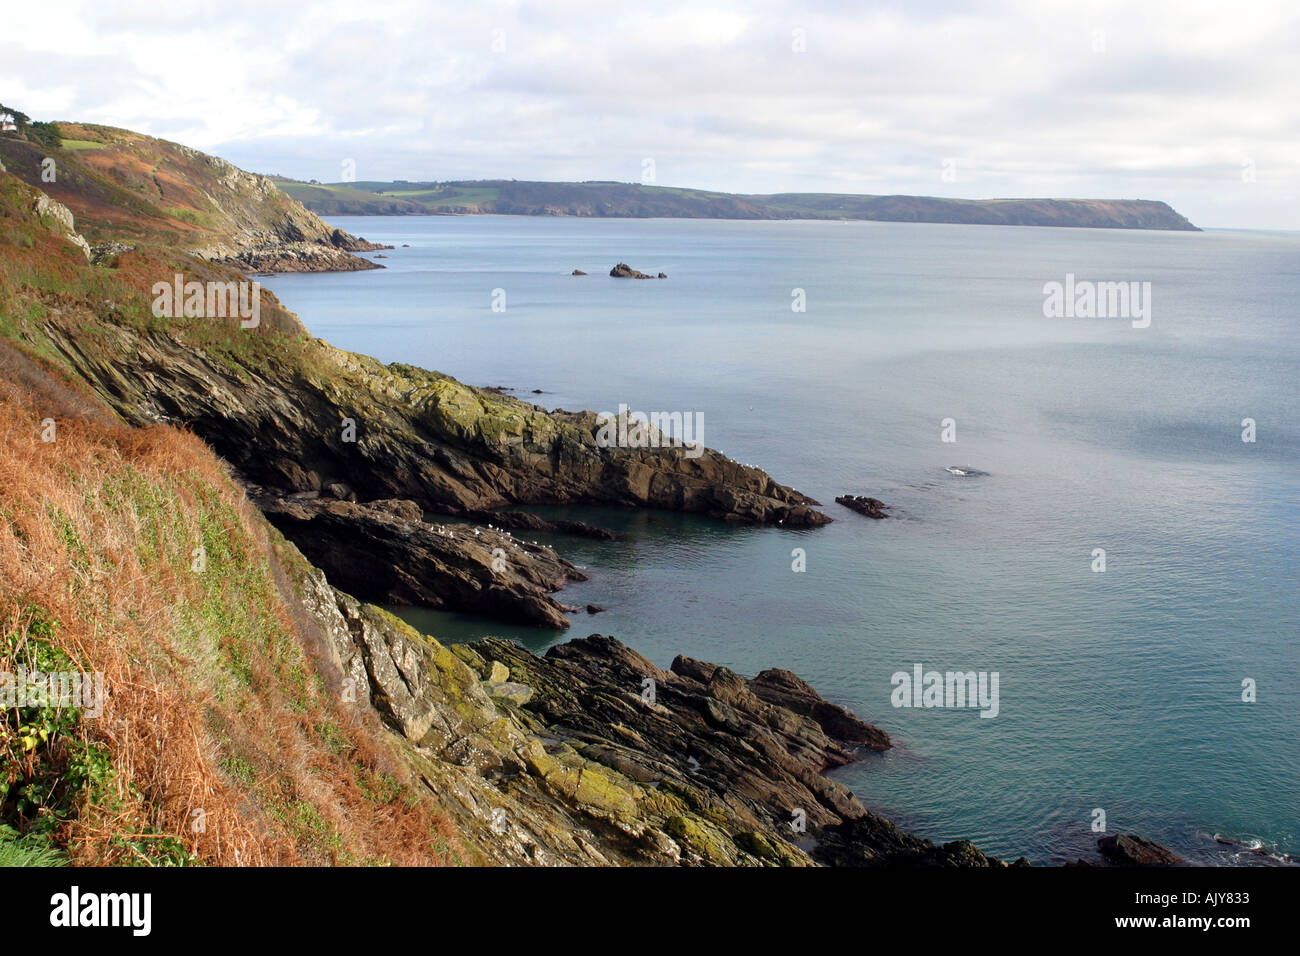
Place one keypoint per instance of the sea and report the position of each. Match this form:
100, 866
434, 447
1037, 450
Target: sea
1099, 506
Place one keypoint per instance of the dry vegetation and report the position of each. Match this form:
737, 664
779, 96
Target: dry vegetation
213, 703
217, 698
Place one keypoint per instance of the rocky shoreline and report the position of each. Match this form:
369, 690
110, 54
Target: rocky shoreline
592, 755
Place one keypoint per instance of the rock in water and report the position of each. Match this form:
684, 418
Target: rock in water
578, 272
871, 507
383, 551
1132, 850
625, 271
705, 767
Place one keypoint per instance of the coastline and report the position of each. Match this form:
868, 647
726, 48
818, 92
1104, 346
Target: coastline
432, 445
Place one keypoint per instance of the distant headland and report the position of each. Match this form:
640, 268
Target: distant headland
639, 201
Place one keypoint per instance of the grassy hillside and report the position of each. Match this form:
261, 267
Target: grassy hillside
219, 741
137, 190
631, 200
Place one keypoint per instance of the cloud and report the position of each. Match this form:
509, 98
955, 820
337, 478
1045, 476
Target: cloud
1162, 100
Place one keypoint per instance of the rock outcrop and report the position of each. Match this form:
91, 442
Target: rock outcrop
299, 418
871, 507
592, 755
60, 219
1128, 849
384, 551
396, 431
625, 271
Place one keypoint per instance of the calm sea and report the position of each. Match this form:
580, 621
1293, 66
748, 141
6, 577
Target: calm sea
1119, 690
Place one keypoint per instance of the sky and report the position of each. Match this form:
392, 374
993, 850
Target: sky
1194, 102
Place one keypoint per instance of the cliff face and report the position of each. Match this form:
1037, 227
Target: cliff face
126, 187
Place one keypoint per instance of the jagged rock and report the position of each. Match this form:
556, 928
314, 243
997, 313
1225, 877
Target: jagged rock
497, 673
625, 271
663, 275
419, 435
516, 693
104, 252
275, 256
784, 689
594, 609
871, 507
716, 763
47, 209
1132, 850
385, 552
337, 489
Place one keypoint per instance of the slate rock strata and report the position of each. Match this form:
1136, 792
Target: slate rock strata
715, 763
384, 551
558, 760
420, 435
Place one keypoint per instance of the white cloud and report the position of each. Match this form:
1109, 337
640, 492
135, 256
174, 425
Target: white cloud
1177, 96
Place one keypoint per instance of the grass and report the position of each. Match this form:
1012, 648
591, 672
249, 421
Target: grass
215, 705
216, 699
80, 144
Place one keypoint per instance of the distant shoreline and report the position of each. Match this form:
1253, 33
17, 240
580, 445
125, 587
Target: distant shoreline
607, 200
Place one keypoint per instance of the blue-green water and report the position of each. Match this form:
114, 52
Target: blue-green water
1119, 690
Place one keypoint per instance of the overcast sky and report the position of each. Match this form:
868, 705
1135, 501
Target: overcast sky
1196, 102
